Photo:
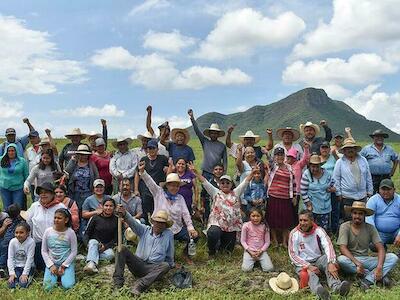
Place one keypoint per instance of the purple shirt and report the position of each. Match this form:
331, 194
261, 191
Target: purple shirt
187, 190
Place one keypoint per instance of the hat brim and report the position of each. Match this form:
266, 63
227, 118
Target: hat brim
315, 126
68, 136
164, 183
115, 143
368, 211
141, 136
221, 133
358, 148
384, 135
92, 136
130, 235
39, 188
256, 138
175, 131
295, 132
24, 214
168, 222
293, 289
83, 152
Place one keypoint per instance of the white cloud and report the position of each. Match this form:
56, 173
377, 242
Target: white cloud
29, 61
156, 72
377, 105
10, 109
149, 5
355, 24
108, 110
239, 33
172, 42
332, 73
174, 121
240, 108
218, 8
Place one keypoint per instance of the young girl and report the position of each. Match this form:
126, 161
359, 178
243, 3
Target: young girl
59, 249
255, 194
255, 241
21, 252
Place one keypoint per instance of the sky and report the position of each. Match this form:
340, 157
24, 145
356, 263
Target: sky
67, 64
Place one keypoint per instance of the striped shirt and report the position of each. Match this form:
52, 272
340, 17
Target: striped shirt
279, 187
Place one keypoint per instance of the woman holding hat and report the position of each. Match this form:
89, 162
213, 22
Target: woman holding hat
101, 159
179, 148
76, 136
288, 136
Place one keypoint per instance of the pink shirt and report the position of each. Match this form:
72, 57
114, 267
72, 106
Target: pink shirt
255, 237
298, 167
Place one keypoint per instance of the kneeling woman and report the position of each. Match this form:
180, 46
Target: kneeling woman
101, 236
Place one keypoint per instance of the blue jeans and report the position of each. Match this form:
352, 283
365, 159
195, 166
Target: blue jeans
12, 197
67, 279
183, 236
18, 273
388, 238
94, 255
369, 263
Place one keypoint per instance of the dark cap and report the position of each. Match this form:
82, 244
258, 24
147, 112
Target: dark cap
388, 183
33, 133
379, 132
325, 144
153, 143
47, 186
338, 135
279, 151
10, 131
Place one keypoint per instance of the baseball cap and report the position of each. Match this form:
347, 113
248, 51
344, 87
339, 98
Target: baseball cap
33, 133
388, 183
10, 131
153, 143
98, 182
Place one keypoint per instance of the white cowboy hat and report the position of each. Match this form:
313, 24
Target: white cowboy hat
121, 139
94, 135
284, 284
350, 143
309, 124
146, 135
82, 149
172, 177
315, 159
250, 134
44, 141
185, 132
214, 127
75, 132
295, 132
162, 216
130, 235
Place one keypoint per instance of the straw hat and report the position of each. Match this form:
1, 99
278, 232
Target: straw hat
359, 205
121, 139
283, 284
130, 235
350, 143
214, 127
75, 132
146, 135
309, 124
250, 134
295, 132
315, 159
83, 149
175, 131
172, 177
94, 135
23, 214
44, 141
162, 216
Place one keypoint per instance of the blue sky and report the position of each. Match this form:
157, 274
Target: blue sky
67, 64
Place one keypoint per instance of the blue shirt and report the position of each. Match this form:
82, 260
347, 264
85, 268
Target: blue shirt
329, 165
345, 183
387, 215
152, 248
21, 144
180, 151
255, 191
315, 190
91, 203
380, 162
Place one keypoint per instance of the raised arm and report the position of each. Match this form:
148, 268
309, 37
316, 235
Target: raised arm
270, 140
51, 141
199, 134
328, 131
104, 131
347, 130
239, 158
150, 129
228, 141
148, 181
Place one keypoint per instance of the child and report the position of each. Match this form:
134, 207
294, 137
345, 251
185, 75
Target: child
59, 249
255, 194
21, 252
255, 241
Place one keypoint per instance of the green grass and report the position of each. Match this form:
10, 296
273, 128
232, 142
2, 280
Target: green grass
221, 278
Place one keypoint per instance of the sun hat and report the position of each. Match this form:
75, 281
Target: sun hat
292, 152
75, 132
214, 127
379, 132
350, 143
99, 142
99, 182
283, 284
359, 205
47, 186
130, 235
94, 135
153, 143
44, 141
172, 177
146, 135
315, 159
23, 214
309, 124
279, 150
295, 132
83, 149
388, 183
184, 131
120, 140
10, 131
163, 217
250, 134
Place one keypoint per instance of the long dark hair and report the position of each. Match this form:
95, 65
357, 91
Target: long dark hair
5, 160
66, 214
53, 163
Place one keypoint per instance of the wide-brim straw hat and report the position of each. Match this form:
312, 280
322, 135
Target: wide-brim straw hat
44, 141
146, 135
379, 132
310, 124
214, 127
295, 132
184, 131
120, 140
315, 159
23, 214
359, 205
284, 284
75, 132
163, 217
172, 177
83, 149
130, 235
250, 134
94, 135
350, 143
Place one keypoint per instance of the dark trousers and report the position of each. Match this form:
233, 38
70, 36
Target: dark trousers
376, 180
335, 214
146, 272
147, 206
220, 240
183, 236
39, 262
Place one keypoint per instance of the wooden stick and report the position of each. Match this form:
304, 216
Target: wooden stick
119, 248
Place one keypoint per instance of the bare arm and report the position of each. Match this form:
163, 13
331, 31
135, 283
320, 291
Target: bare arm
149, 109
239, 158
228, 140
51, 140
270, 140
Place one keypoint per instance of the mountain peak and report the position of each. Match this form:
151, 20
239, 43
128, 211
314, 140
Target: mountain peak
311, 96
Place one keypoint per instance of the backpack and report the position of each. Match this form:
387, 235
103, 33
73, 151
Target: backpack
182, 279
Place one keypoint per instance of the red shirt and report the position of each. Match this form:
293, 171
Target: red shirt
103, 166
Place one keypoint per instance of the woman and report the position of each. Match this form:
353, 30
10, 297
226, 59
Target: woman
281, 193
40, 216
13, 173
42, 172
82, 173
101, 158
61, 196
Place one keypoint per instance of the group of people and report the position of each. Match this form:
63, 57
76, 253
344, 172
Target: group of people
295, 194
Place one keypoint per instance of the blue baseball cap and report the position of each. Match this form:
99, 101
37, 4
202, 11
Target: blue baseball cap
153, 143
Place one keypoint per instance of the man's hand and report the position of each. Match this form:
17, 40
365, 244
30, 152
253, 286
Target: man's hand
149, 109
26, 190
231, 128
294, 201
323, 123
193, 233
11, 279
378, 273
269, 131
47, 131
141, 167
25, 120
333, 270
347, 129
103, 122
313, 269
61, 270
120, 210
101, 247
397, 241
99, 211
136, 193
54, 270
360, 269
309, 206
190, 113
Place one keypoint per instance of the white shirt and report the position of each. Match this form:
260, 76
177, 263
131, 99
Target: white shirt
20, 255
124, 164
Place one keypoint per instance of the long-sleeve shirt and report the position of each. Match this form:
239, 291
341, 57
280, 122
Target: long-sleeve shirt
177, 209
304, 247
380, 162
59, 248
298, 167
255, 237
152, 248
40, 175
20, 143
387, 214
315, 190
214, 151
124, 164
255, 191
20, 255
13, 177
317, 141
346, 183
102, 229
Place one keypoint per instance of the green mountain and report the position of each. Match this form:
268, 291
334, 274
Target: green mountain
309, 104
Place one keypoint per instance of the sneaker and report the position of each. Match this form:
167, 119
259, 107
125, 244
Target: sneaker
365, 284
344, 288
3, 273
90, 268
323, 293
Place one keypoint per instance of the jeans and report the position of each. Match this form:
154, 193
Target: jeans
265, 262
5, 241
94, 255
12, 197
39, 262
67, 279
388, 238
369, 263
18, 273
220, 240
147, 206
183, 236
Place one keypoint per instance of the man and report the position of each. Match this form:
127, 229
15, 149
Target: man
154, 254
178, 147
386, 219
76, 137
21, 143
382, 159
354, 239
311, 249
311, 131
144, 139
132, 203
351, 175
213, 150
164, 132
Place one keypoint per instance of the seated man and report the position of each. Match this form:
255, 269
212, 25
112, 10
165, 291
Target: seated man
310, 248
386, 219
154, 253
354, 239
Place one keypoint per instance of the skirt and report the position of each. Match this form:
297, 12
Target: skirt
280, 213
